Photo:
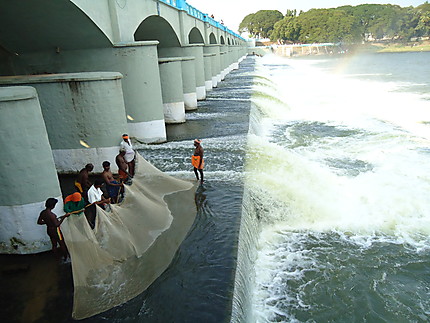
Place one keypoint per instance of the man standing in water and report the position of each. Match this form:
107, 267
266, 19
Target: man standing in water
197, 159
120, 161
53, 226
130, 154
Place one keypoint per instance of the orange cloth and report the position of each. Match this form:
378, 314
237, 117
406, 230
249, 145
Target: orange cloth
195, 161
75, 197
122, 174
79, 187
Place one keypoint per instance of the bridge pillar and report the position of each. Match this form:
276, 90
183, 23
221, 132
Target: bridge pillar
235, 54
27, 171
216, 63
136, 61
84, 115
196, 50
223, 59
231, 59
193, 50
208, 71
189, 83
172, 89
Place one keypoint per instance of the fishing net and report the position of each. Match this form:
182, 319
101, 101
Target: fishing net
132, 244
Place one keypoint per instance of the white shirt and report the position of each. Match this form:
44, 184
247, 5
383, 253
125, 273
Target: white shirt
129, 152
94, 194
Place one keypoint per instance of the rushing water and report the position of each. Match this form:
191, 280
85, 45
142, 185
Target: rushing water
336, 218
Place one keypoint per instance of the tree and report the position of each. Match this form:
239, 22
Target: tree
423, 25
286, 29
343, 24
260, 23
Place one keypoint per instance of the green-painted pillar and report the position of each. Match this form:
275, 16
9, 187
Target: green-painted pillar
136, 61
236, 57
216, 64
208, 71
189, 83
223, 59
27, 171
196, 51
172, 89
84, 115
192, 50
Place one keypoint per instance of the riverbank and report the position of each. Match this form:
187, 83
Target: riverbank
390, 47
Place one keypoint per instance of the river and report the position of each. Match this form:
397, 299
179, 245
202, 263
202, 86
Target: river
336, 215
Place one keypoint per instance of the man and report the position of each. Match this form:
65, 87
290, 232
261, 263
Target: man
113, 187
95, 197
122, 166
53, 226
197, 159
130, 154
74, 203
82, 183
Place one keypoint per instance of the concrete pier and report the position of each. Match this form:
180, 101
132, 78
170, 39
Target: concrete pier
84, 115
172, 89
208, 71
189, 83
196, 50
215, 62
27, 171
136, 61
223, 59
192, 50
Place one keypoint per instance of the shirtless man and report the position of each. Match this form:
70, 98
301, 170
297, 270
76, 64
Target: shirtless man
53, 226
122, 165
197, 159
82, 183
113, 187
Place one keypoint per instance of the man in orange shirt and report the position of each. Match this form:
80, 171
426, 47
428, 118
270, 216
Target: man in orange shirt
197, 159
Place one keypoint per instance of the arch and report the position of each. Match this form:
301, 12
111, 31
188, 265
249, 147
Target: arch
221, 40
228, 41
29, 30
195, 36
212, 39
157, 28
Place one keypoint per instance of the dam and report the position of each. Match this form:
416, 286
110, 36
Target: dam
77, 74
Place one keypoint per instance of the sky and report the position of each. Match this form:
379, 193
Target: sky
231, 12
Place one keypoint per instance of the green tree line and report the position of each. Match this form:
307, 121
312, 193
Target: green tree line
342, 24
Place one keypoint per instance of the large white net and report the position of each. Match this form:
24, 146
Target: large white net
131, 245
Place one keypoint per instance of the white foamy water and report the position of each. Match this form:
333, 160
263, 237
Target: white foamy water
339, 164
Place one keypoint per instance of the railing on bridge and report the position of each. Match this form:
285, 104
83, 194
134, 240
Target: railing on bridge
184, 6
